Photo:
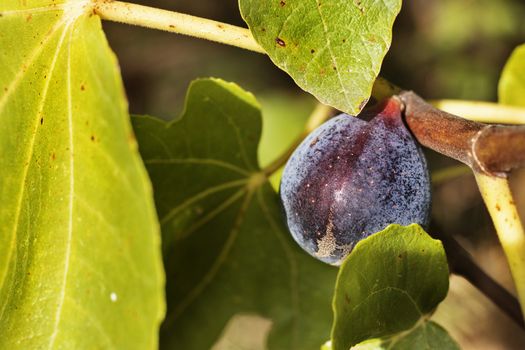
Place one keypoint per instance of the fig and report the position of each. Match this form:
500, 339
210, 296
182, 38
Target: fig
351, 178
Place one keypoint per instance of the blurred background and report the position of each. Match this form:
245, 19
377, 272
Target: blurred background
441, 49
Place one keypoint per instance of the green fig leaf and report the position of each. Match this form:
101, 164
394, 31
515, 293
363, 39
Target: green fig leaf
427, 335
390, 281
511, 87
331, 48
226, 249
80, 257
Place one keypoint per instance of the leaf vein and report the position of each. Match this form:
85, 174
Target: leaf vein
332, 56
199, 196
29, 157
210, 275
58, 315
201, 161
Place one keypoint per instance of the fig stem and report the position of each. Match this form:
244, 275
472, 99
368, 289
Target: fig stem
462, 264
175, 22
502, 209
483, 112
318, 116
490, 149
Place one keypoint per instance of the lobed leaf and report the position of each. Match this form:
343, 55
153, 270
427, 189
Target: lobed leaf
226, 249
80, 262
331, 48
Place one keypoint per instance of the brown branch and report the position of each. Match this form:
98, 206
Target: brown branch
461, 263
491, 149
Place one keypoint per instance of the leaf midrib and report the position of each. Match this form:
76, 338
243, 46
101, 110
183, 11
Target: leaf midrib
58, 315
332, 56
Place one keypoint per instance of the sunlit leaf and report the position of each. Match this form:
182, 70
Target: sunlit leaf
80, 263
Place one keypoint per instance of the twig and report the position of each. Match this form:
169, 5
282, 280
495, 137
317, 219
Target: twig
490, 149
175, 22
461, 263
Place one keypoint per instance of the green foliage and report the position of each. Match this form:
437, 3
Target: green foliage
226, 249
426, 335
391, 281
511, 87
331, 48
80, 263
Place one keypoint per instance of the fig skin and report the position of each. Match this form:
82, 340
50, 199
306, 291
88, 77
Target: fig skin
351, 178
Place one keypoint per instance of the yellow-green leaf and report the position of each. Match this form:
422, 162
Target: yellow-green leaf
511, 87
80, 264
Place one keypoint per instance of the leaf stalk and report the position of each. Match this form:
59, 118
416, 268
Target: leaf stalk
149, 17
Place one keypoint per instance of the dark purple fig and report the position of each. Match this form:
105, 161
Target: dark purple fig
351, 178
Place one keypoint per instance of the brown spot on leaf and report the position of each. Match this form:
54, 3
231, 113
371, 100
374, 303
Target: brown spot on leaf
280, 42
498, 208
82, 87
344, 40
312, 51
53, 156
29, 17
171, 26
93, 138
41, 120
363, 104
282, 3
359, 5
221, 26
347, 298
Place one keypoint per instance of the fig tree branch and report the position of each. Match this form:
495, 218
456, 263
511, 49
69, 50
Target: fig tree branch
462, 264
489, 149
